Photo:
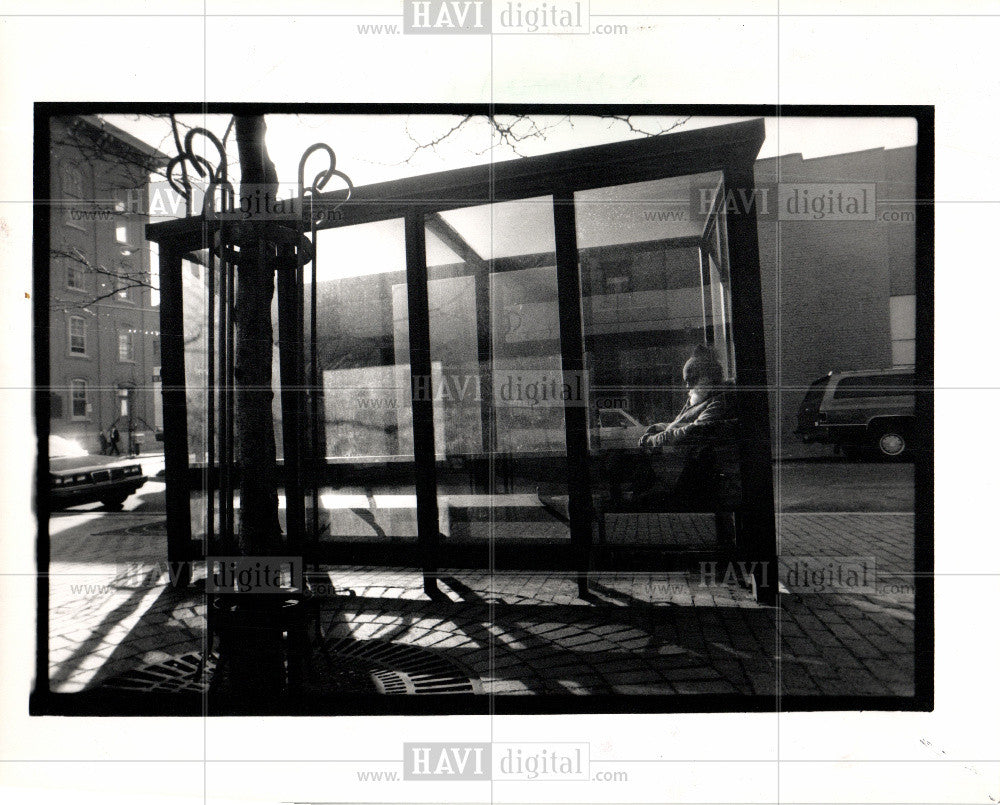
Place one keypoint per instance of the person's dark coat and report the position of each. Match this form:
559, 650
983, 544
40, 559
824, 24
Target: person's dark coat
696, 431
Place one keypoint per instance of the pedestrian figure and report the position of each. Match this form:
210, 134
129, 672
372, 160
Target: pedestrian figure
115, 439
103, 438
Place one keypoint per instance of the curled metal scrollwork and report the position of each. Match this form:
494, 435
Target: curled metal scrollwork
222, 173
323, 177
183, 188
217, 177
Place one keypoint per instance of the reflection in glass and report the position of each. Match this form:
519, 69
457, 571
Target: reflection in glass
364, 394
496, 362
363, 355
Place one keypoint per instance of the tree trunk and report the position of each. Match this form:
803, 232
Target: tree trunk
259, 531
251, 668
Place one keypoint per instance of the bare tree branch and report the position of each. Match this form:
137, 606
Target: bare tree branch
432, 144
83, 305
513, 131
627, 120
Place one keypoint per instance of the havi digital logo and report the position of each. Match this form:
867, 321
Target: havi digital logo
447, 17
447, 761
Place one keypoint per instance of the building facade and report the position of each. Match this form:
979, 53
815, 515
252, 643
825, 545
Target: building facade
104, 307
838, 294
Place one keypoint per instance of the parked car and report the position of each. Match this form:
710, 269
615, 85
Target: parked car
872, 408
618, 428
77, 477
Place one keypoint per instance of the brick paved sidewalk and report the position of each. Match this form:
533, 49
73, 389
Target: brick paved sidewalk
528, 632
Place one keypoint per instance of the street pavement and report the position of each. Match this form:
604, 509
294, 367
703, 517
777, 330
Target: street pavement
843, 625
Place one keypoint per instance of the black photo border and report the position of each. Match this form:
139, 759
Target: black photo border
43, 701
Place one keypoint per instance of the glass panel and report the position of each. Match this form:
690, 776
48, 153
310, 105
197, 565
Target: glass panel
496, 365
194, 282
875, 385
655, 282
364, 368
195, 290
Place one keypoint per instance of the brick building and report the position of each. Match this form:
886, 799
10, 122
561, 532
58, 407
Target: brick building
104, 310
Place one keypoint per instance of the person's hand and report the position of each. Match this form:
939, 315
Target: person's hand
664, 438
645, 441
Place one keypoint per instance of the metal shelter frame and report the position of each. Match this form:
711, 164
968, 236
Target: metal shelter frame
730, 149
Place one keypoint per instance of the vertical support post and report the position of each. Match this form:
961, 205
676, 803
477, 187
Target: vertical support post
705, 282
302, 436
317, 438
289, 363
756, 542
229, 389
428, 527
227, 530
180, 550
573, 366
484, 357
211, 477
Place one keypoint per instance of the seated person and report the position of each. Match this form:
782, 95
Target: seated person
704, 414
705, 407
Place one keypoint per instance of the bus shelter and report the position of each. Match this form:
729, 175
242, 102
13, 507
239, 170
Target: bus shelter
467, 361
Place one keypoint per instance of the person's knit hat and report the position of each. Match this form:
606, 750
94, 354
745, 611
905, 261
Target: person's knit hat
702, 366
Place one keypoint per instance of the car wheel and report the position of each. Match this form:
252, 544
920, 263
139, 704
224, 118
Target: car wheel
892, 442
113, 504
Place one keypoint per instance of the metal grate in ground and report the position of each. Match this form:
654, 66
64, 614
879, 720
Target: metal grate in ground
395, 668
340, 665
176, 675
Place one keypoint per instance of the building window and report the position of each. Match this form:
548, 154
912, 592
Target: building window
903, 329
617, 276
78, 395
77, 336
75, 276
121, 234
127, 201
72, 190
124, 280
126, 347
125, 403
72, 180
154, 275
